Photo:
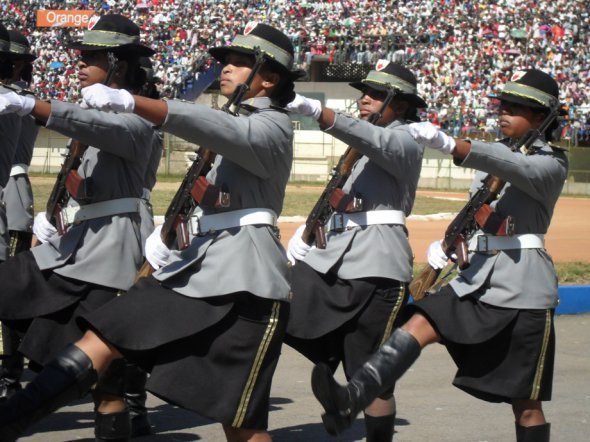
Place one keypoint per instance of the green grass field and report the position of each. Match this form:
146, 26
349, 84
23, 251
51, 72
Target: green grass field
299, 200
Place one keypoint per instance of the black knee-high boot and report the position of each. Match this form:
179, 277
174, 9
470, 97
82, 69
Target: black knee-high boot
12, 363
135, 397
381, 371
537, 433
379, 428
67, 378
111, 426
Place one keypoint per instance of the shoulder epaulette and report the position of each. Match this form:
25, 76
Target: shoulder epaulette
556, 147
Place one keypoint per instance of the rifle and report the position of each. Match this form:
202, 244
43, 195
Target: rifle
464, 224
59, 194
314, 231
18, 90
183, 204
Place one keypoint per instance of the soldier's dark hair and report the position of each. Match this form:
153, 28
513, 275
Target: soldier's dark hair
6, 69
135, 77
284, 91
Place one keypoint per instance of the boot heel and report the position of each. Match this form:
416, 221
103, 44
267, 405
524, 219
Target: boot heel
335, 424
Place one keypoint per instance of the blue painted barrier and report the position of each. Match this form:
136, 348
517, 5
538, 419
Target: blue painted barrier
573, 299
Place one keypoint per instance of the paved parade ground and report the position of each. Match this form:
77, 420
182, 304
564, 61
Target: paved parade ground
430, 409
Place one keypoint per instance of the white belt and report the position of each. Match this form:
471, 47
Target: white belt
342, 221
491, 243
19, 169
76, 214
204, 224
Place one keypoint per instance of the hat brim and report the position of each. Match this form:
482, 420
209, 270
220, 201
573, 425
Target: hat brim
25, 57
220, 53
518, 100
413, 99
140, 50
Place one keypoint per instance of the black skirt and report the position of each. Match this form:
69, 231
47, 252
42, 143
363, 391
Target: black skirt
501, 354
43, 306
215, 356
335, 321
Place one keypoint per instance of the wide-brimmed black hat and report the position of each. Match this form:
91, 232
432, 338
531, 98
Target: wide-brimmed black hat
388, 74
275, 46
112, 32
531, 88
20, 46
4, 41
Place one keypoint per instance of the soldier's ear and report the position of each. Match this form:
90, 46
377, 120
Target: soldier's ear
270, 79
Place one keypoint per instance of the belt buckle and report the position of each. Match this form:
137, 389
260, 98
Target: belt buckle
483, 245
194, 226
338, 222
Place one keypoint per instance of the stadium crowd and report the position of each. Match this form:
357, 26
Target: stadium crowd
461, 51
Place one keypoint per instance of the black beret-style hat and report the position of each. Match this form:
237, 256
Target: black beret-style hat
395, 75
532, 88
112, 32
20, 46
4, 41
275, 46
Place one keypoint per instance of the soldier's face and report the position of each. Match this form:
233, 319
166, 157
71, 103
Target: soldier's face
92, 67
516, 120
372, 101
236, 70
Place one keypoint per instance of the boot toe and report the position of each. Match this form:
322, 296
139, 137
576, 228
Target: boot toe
332, 397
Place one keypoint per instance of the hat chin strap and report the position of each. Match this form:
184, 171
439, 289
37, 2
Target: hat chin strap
234, 103
113, 61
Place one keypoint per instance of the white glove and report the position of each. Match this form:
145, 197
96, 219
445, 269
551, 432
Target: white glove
42, 228
436, 257
101, 97
12, 102
428, 134
156, 251
305, 106
297, 248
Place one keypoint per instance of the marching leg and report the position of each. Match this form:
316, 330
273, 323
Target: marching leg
381, 371
135, 397
536, 433
12, 363
68, 377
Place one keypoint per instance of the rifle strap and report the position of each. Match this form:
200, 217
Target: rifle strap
208, 195
341, 201
490, 222
73, 183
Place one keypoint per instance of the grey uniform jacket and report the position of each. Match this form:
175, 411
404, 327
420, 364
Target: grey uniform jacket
10, 128
386, 177
254, 156
18, 194
119, 161
521, 278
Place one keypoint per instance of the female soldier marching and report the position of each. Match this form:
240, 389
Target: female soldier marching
496, 317
99, 251
347, 296
209, 323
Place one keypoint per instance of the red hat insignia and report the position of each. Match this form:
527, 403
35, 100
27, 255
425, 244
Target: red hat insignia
517, 75
92, 21
381, 64
250, 27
